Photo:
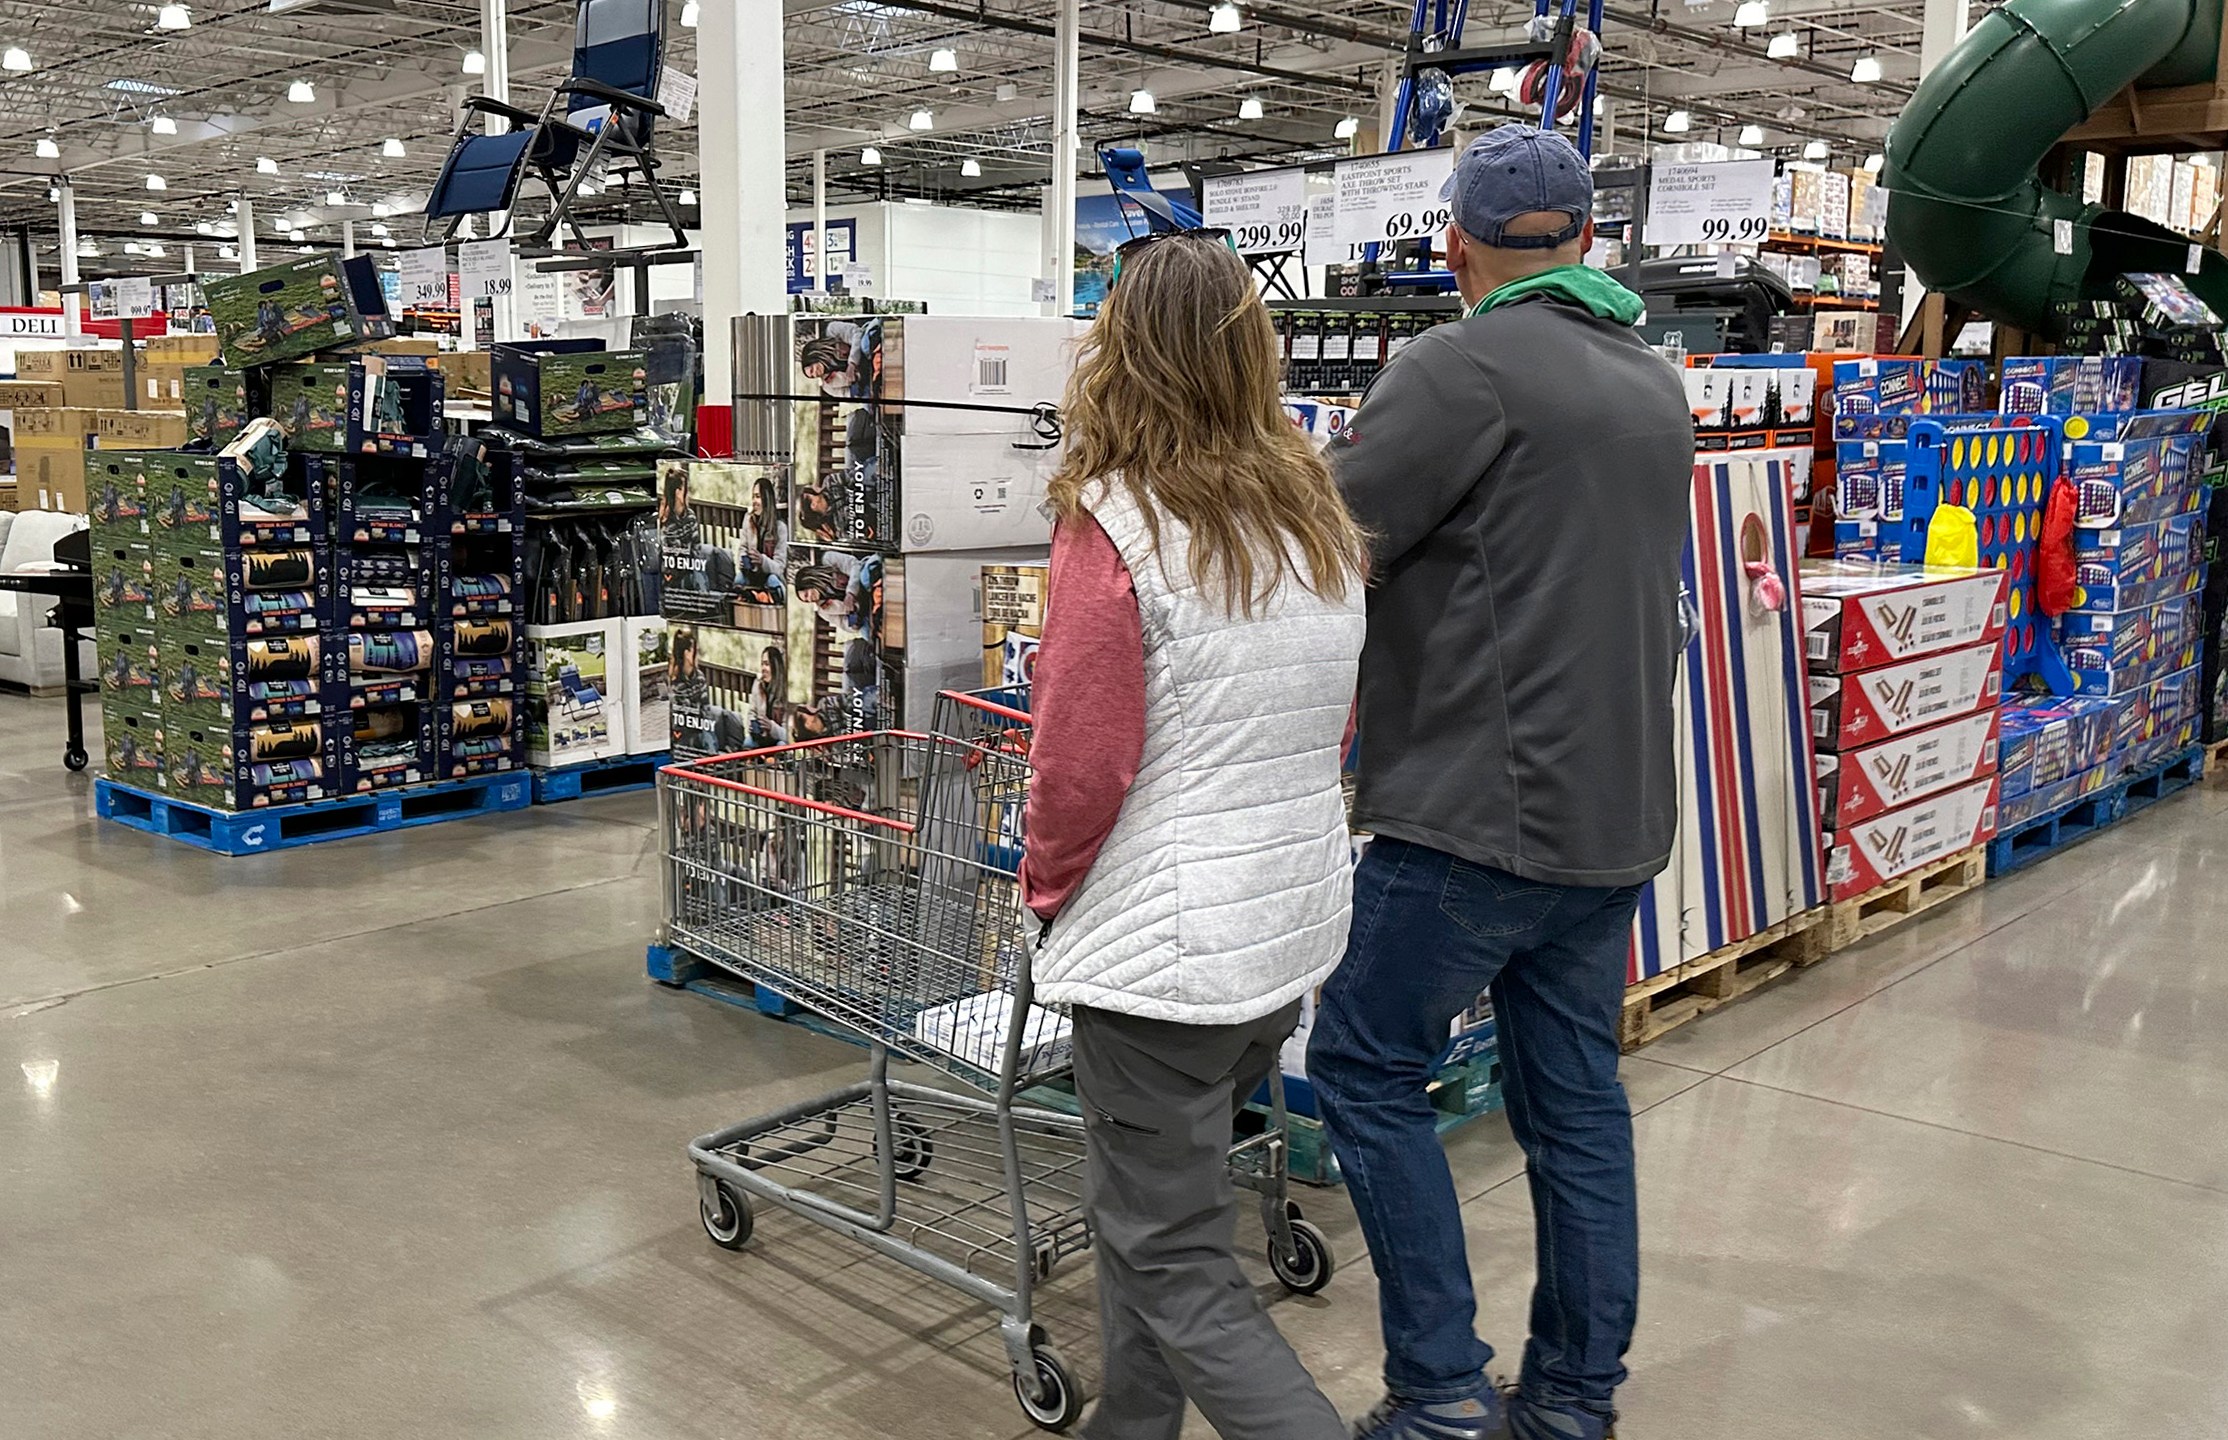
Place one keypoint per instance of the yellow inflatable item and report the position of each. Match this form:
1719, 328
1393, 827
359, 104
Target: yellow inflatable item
1952, 538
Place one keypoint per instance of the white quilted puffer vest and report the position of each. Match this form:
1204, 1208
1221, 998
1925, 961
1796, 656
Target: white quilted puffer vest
1223, 892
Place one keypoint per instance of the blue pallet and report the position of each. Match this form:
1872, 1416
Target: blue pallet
2046, 835
683, 971
614, 776
283, 827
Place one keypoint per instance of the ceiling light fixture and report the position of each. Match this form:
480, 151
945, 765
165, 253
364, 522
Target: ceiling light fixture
15, 58
971, 169
1250, 108
689, 14
1873, 163
378, 229
918, 200
155, 250
870, 156
335, 197
586, 188
943, 62
265, 165
1786, 45
1817, 150
1007, 90
1752, 135
301, 92
131, 247
1866, 70
921, 120
1224, 19
201, 227
226, 252
1141, 102
392, 148
1678, 122
147, 217
381, 210
688, 197
48, 150
475, 63
87, 249
156, 182
1347, 128
163, 125
1752, 15
295, 235
173, 17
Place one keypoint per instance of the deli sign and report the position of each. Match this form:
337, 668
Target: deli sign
21, 323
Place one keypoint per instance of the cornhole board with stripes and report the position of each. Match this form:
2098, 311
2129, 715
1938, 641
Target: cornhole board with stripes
1747, 857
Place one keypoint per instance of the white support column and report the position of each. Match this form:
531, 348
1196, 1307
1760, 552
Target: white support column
245, 247
495, 84
348, 239
820, 221
190, 268
1059, 218
71, 304
1943, 25
742, 176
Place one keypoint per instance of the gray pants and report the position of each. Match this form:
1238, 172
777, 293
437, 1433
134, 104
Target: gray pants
1177, 1316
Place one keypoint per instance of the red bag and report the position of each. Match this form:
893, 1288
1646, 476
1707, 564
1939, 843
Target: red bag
2054, 568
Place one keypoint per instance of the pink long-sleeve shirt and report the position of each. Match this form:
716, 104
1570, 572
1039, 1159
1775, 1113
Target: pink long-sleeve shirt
1089, 712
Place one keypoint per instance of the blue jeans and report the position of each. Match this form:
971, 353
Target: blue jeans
1430, 931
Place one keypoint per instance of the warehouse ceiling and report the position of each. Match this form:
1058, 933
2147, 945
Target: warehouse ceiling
122, 99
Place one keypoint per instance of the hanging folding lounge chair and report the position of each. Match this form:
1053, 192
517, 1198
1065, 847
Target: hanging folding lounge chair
602, 116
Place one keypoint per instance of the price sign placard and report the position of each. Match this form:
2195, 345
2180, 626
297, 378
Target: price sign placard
1391, 197
135, 297
1265, 211
483, 267
1322, 233
424, 276
1714, 204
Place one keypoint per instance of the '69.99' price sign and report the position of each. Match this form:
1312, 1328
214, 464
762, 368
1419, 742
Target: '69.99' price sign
1265, 211
1391, 197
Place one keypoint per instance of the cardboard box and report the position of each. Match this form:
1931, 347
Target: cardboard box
2013, 811
2135, 480
2070, 385
69, 423
732, 690
384, 747
646, 684
161, 387
296, 308
2113, 652
1858, 616
94, 389
573, 687
2043, 739
180, 348
123, 581
468, 372
50, 475
41, 364
379, 502
1851, 332
133, 737
2131, 567
725, 541
1850, 711
139, 429
215, 685
1013, 599
568, 387
309, 399
480, 737
1875, 398
1873, 779
29, 394
1869, 853
847, 622
283, 762
395, 407
476, 579
203, 501
215, 399
116, 497
263, 593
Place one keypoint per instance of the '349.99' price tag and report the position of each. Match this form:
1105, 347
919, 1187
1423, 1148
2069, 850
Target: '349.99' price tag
484, 268
424, 276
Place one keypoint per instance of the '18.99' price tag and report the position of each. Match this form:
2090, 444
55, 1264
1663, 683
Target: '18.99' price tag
484, 268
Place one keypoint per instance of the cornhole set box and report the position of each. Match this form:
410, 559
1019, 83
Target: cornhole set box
395, 406
1861, 783
1856, 617
309, 399
286, 311
2047, 738
1848, 711
568, 387
1869, 853
215, 400
572, 678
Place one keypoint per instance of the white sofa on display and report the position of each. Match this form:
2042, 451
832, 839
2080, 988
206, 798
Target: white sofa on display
30, 648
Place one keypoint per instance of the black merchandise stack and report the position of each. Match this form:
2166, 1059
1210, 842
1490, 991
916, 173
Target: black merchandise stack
479, 590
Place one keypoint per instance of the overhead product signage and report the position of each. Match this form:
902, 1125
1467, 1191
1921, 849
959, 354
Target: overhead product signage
1391, 197
1726, 202
1323, 247
1265, 211
485, 268
135, 298
425, 276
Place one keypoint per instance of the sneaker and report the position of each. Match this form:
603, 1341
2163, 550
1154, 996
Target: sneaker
1562, 1422
1481, 1418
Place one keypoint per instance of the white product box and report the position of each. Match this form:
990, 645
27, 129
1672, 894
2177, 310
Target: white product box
974, 1027
1857, 615
939, 628
572, 704
645, 684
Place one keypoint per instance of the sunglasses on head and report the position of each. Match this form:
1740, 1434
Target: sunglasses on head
1128, 249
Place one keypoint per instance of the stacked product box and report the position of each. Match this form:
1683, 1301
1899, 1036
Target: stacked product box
382, 521
1757, 402
479, 621
2135, 631
2054, 752
1905, 680
1875, 399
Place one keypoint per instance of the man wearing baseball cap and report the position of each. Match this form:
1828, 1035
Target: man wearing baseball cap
1524, 473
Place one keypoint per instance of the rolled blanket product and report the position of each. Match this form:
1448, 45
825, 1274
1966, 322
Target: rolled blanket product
285, 740
279, 569
285, 771
483, 637
390, 652
291, 657
473, 719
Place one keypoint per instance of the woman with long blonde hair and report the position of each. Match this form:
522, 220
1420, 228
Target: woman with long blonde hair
1187, 847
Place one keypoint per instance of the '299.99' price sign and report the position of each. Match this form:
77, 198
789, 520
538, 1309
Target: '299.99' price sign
1265, 211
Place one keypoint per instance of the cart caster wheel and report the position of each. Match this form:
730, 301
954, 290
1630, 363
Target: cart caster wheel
910, 1147
73, 759
1061, 1402
725, 1213
1307, 1272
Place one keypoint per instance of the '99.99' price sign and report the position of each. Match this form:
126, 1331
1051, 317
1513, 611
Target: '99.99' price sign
1729, 202
1265, 211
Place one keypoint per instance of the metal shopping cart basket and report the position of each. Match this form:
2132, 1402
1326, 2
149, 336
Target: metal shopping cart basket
870, 878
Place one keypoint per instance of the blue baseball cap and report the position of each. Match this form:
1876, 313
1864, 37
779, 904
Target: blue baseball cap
1519, 170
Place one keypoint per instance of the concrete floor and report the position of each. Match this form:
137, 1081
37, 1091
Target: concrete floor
384, 1138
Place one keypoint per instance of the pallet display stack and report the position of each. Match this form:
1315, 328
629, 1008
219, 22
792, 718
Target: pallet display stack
1875, 402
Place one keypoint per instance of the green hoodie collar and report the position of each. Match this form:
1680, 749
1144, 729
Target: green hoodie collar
1581, 285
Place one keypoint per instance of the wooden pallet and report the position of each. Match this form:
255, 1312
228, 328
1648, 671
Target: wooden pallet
1889, 905
1662, 1003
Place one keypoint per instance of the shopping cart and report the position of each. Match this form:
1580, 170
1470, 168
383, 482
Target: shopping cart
870, 878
